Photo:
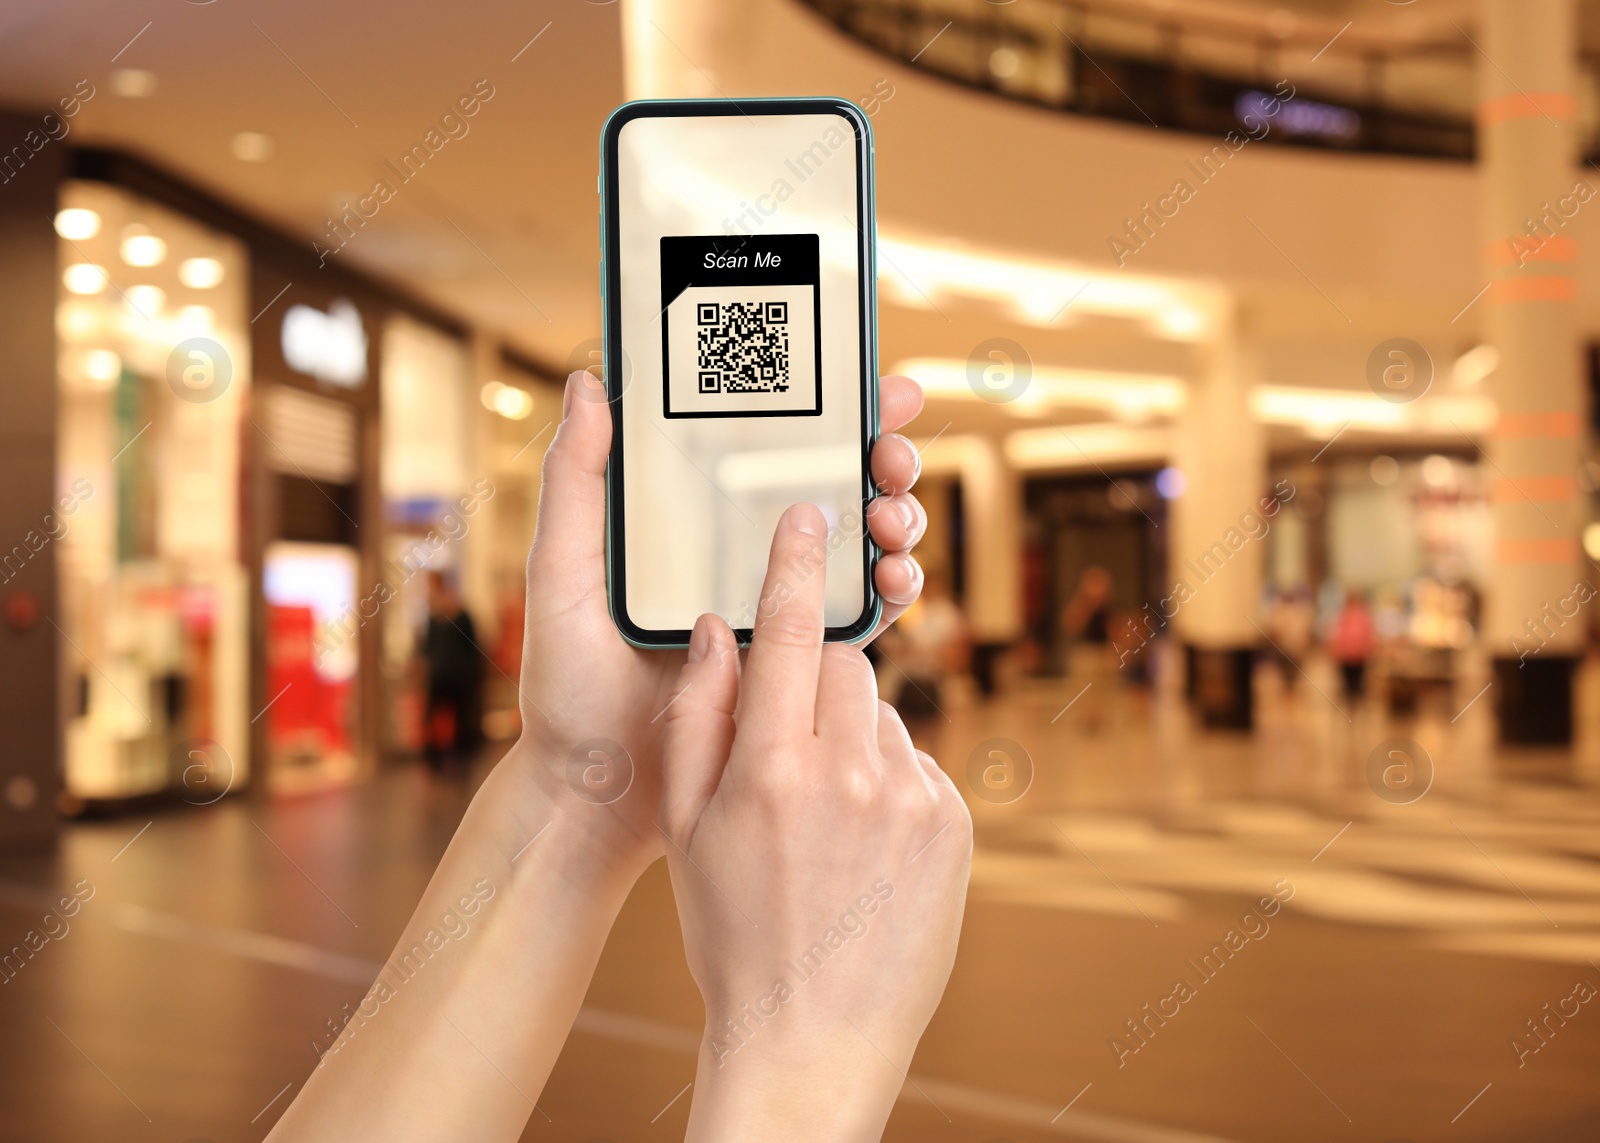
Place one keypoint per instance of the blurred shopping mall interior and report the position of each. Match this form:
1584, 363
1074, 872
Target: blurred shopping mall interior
1261, 466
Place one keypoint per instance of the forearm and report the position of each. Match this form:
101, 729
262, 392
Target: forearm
465, 1020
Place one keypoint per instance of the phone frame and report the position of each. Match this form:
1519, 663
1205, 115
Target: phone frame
611, 340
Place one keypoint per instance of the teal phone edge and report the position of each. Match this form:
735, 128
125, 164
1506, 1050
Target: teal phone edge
863, 626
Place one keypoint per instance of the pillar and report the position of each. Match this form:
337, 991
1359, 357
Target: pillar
1531, 188
661, 41
1217, 545
32, 684
991, 504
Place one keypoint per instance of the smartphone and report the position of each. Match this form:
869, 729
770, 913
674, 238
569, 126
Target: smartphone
740, 308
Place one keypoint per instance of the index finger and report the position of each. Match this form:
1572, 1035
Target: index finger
780, 679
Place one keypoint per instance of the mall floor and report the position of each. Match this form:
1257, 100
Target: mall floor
1379, 1004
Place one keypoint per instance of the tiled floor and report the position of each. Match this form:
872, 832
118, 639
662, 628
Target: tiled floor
1379, 1004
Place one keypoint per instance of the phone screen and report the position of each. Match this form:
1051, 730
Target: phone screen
740, 339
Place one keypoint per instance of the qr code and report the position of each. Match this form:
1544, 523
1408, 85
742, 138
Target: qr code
744, 347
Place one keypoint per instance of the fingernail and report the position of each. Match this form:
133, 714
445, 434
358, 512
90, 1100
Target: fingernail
914, 587
807, 518
699, 640
908, 515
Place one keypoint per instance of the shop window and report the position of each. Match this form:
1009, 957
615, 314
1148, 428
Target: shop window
153, 371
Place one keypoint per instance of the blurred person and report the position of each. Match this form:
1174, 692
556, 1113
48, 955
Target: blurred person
1441, 615
1440, 628
1135, 648
1390, 619
502, 718
1351, 640
794, 784
928, 645
1292, 625
1130, 639
513, 604
1086, 622
453, 716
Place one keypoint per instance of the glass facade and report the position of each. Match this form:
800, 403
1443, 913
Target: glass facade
154, 379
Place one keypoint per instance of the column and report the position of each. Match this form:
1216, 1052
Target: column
1219, 528
32, 682
1531, 187
991, 503
661, 42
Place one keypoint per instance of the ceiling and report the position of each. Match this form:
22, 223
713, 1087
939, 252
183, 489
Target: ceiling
498, 227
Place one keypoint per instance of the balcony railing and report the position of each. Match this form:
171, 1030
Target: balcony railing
1133, 62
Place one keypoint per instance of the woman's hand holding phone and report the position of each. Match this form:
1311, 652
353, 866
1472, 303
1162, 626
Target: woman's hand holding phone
583, 683
820, 867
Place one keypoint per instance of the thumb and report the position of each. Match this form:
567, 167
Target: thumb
572, 495
699, 730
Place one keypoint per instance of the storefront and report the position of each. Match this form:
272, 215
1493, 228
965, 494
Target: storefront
310, 445
1409, 535
464, 436
359, 457
154, 378
257, 444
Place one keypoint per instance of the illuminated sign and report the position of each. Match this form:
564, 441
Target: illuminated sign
331, 347
1298, 116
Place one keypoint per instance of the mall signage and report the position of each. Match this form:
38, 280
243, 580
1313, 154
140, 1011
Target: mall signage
330, 346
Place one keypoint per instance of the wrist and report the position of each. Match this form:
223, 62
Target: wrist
821, 1102
790, 1085
590, 844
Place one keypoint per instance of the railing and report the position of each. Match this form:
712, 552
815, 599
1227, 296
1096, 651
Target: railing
1352, 90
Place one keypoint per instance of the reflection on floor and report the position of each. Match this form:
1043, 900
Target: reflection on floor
1172, 936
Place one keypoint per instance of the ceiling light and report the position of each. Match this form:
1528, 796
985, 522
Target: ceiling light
1438, 472
133, 82
200, 273
77, 223
1004, 63
102, 366
85, 278
1126, 396
146, 300
1180, 323
1324, 412
917, 274
196, 319
1591, 541
509, 401
78, 320
141, 248
253, 147
1087, 446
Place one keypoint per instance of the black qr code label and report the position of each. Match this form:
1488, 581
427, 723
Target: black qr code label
744, 347
739, 326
